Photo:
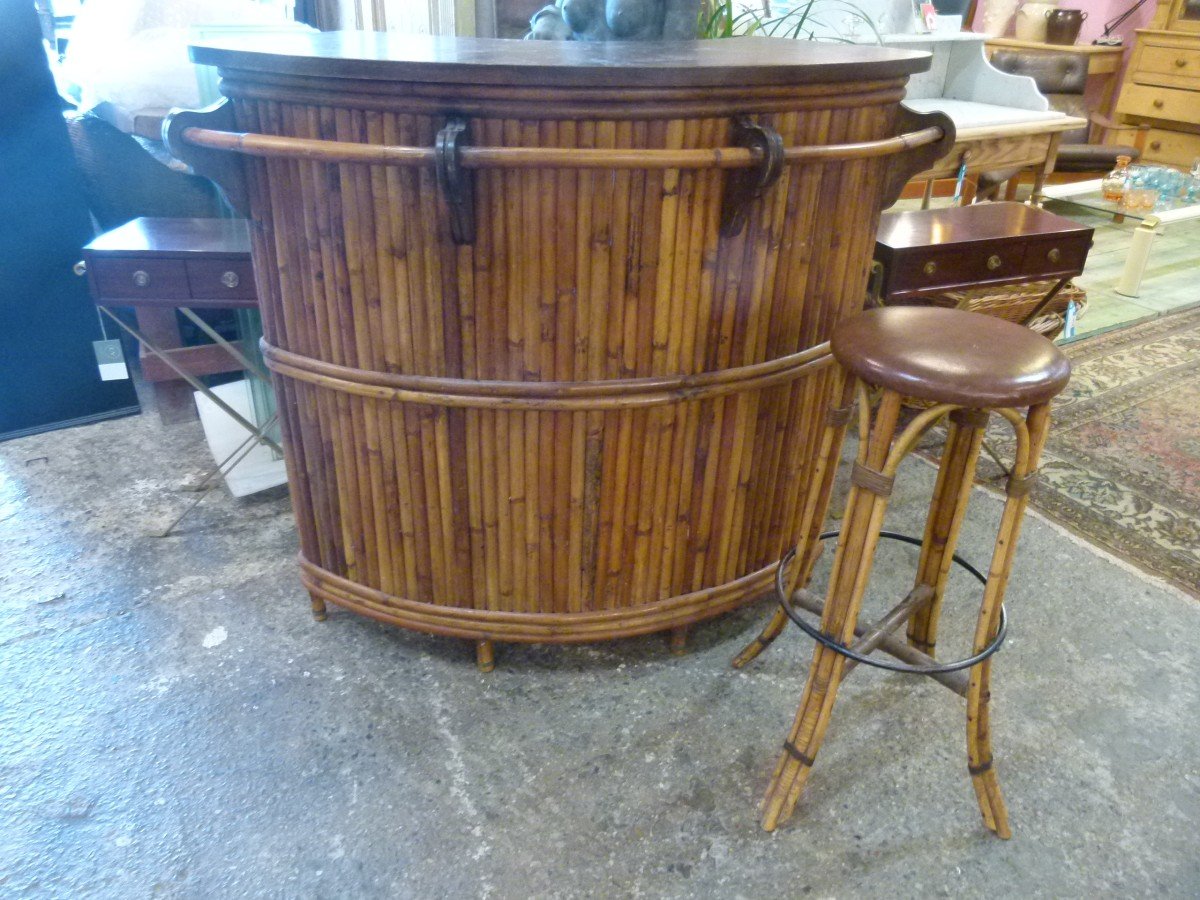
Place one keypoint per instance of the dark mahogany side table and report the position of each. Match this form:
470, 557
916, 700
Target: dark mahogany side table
920, 253
157, 266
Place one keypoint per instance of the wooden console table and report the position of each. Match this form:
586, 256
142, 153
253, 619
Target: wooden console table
1017, 145
924, 252
157, 266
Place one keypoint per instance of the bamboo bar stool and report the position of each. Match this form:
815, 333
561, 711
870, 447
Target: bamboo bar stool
968, 365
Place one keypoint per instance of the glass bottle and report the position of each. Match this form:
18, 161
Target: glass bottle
1113, 185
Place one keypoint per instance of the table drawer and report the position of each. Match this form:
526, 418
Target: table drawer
1173, 104
1168, 65
954, 267
1174, 148
212, 279
1048, 257
130, 277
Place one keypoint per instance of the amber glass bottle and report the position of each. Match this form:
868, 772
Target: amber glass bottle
1113, 185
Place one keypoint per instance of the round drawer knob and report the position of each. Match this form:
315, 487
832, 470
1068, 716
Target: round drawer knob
1158, 104
80, 268
141, 278
1180, 63
929, 267
230, 279
1054, 255
1156, 145
993, 263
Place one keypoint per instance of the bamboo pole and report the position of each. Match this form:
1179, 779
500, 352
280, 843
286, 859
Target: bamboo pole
512, 157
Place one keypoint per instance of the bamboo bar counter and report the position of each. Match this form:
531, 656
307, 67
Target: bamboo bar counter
548, 322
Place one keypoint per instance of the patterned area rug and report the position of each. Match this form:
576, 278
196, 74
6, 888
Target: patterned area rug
1122, 464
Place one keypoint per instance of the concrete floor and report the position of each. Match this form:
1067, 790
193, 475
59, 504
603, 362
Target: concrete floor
173, 723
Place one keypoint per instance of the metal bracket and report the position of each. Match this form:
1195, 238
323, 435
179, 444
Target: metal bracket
454, 182
222, 167
743, 186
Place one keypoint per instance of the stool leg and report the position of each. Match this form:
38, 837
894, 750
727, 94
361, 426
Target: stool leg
955, 478
979, 734
848, 582
814, 510
779, 618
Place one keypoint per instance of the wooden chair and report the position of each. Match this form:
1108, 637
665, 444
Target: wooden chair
967, 365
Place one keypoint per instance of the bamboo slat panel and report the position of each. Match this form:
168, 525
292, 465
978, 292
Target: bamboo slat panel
598, 419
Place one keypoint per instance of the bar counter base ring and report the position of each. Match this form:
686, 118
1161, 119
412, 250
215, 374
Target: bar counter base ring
671, 616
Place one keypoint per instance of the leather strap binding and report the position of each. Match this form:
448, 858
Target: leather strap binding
871, 480
970, 418
981, 768
794, 752
838, 416
1020, 487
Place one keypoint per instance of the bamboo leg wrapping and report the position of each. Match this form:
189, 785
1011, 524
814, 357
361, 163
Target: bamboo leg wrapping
979, 735
851, 569
956, 476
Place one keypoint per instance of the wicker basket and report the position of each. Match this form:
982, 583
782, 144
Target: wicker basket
1016, 302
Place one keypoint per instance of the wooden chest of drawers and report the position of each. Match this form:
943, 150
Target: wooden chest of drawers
1162, 90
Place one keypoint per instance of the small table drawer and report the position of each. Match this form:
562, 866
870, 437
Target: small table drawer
213, 279
924, 270
1044, 258
131, 277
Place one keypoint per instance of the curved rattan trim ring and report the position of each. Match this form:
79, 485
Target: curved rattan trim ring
534, 627
837, 647
269, 145
545, 395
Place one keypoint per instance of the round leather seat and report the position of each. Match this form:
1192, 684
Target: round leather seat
951, 356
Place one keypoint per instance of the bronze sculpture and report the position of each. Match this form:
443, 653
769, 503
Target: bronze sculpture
608, 20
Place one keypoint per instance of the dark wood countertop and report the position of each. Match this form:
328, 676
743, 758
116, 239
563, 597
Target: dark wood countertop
727, 62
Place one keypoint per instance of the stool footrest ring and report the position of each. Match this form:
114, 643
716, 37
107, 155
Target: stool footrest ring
821, 638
